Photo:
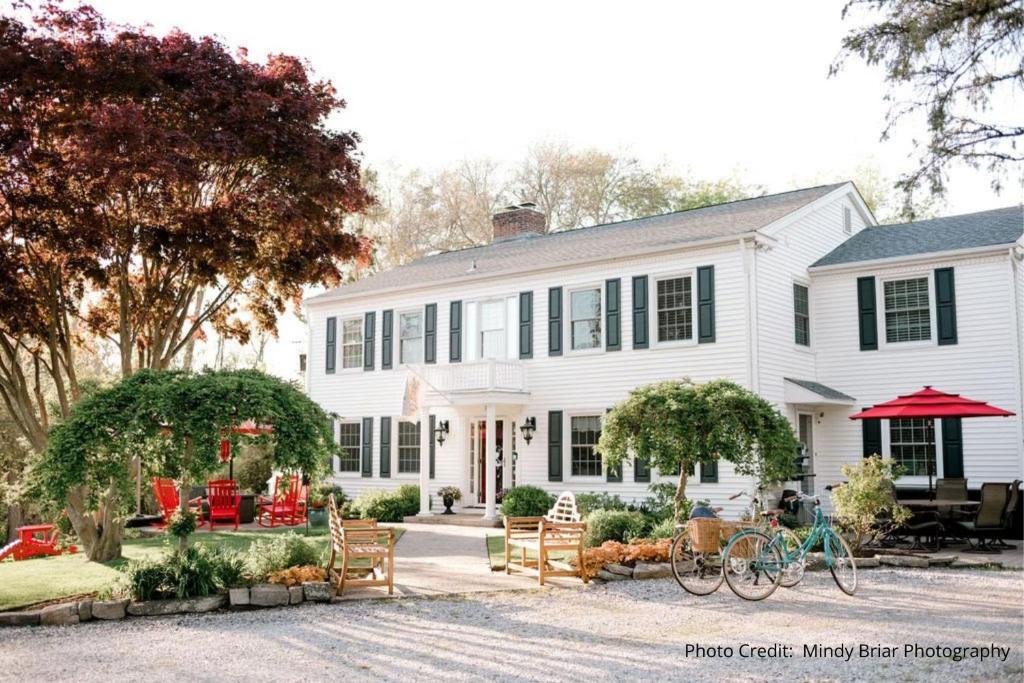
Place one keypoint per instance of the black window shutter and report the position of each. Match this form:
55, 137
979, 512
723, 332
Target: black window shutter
952, 448
945, 306
386, 336
555, 328
640, 337
866, 314
709, 472
433, 444
455, 332
706, 308
367, 446
871, 430
641, 469
613, 316
371, 324
385, 447
555, 445
332, 345
525, 325
430, 334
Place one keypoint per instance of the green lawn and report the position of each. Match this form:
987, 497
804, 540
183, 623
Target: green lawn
49, 578
496, 553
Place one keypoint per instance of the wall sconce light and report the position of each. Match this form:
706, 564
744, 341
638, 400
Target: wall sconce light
528, 427
441, 431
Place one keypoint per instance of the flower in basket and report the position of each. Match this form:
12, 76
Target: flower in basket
451, 492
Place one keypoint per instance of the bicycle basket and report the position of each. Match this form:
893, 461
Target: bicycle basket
743, 547
705, 534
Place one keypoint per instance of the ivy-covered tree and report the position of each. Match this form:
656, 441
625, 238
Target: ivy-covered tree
675, 425
173, 422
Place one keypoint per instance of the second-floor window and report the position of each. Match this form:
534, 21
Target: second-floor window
586, 430
352, 343
801, 315
585, 308
410, 336
675, 309
348, 439
408, 447
907, 317
492, 329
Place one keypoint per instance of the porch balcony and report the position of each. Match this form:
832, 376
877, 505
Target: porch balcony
479, 382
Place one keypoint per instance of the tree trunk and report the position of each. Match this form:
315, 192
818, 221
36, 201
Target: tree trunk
15, 517
100, 534
680, 499
183, 491
191, 345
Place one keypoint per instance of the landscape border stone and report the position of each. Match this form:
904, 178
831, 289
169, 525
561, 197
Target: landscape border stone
152, 608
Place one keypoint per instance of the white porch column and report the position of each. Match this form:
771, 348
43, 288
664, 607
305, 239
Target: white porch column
506, 453
425, 437
490, 508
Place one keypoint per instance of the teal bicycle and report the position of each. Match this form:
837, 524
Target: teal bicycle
755, 563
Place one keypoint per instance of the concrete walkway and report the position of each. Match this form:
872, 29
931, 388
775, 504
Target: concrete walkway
436, 559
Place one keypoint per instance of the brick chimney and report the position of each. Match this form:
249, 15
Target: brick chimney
514, 221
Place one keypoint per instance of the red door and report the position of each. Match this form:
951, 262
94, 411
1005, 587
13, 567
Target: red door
481, 449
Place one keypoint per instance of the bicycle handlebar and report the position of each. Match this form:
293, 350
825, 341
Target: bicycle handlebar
737, 495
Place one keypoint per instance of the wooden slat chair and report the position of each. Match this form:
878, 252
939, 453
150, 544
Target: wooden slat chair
224, 501
360, 539
559, 531
166, 493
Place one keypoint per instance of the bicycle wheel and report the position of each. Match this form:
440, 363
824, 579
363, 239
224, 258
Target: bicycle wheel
697, 573
793, 572
752, 565
843, 568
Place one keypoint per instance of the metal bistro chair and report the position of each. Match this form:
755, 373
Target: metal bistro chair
1011, 508
990, 521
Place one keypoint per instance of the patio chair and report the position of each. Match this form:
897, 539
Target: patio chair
559, 531
166, 494
923, 525
282, 506
990, 521
1011, 508
224, 501
367, 552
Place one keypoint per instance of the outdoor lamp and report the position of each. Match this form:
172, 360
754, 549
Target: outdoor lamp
440, 431
528, 427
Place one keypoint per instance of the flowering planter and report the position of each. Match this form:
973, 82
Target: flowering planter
317, 517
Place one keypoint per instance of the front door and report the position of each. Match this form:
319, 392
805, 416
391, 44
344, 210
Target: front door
478, 458
805, 435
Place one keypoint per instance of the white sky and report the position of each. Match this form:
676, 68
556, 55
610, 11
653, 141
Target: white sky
709, 87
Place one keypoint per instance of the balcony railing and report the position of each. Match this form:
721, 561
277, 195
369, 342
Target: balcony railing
481, 376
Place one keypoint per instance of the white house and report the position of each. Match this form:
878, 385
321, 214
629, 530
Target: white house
520, 346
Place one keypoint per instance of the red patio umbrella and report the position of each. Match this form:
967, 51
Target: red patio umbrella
930, 403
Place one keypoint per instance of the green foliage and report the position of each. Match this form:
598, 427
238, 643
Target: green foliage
526, 501
789, 520
388, 506
666, 528
278, 552
590, 502
182, 524
803, 532
866, 504
660, 505
615, 525
194, 572
453, 492
325, 491
254, 465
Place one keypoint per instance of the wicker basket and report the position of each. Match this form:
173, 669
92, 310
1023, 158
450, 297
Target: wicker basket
744, 547
705, 534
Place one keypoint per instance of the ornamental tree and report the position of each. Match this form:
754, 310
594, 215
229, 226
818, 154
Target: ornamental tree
675, 425
173, 423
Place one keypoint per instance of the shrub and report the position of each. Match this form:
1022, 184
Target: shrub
591, 502
325, 491
613, 552
866, 505
660, 505
666, 528
614, 525
388, 506
526, 501
254, 465
194, 572
281, 551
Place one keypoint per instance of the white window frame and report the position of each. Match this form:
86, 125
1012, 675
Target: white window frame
567, 445
567, 316
479, 328
918, 479
359, 449
652, 305
397, 440
361, 320
810, 315
398, 335
883, 337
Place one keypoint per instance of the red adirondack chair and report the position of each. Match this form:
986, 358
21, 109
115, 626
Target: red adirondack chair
283, 506
35, 540
224, 501
167, 498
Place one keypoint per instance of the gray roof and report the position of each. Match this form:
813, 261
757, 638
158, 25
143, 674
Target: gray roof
622, 239
982, 229
821, 389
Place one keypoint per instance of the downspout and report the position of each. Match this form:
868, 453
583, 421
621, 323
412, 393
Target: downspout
1016, 254
750, 273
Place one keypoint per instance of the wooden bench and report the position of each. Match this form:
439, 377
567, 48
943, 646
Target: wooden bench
559, 531
360, 539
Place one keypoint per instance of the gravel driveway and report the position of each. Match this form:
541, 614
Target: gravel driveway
636, 630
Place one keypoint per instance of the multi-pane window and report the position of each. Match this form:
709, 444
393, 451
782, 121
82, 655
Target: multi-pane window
912, 444
907, 316
586, 431
801, 315
348, 439
675, 309
410, 336
492, 329
352, 343
585, 308
408, 447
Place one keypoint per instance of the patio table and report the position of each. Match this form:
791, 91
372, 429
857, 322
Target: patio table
937, 503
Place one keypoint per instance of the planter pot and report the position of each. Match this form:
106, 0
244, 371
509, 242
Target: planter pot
317, 517
448, 502
247, 509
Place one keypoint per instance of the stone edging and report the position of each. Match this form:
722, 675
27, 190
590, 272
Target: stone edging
260, 595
